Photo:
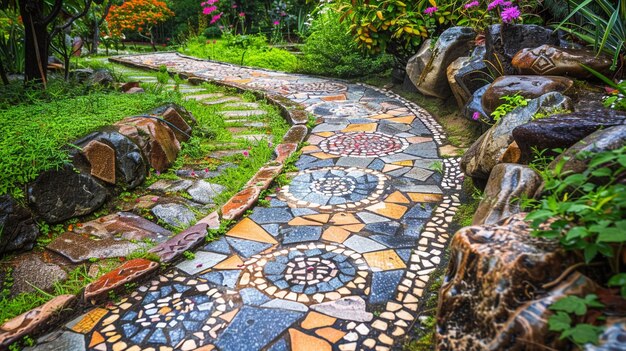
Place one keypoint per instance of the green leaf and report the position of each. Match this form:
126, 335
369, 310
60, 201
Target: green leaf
559, 322
570, 304
585, 333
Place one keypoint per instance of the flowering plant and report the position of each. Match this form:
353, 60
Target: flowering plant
225, 15
480, 14
139, 16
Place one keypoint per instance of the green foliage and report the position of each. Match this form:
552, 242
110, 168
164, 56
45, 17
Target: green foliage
35, 137
330, 50
551, 112
586, 209
511, 103
163, 77
600, 23
561, 321
188, 255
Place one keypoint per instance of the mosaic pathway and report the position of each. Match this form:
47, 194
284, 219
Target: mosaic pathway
339, 259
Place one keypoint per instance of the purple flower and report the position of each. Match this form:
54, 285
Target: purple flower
476, 116
276, 23
471, 4
496, 3
430, 10
510, 14
245, 153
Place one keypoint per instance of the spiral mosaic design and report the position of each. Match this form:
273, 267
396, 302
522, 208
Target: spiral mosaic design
363, 144
306, 273
335, 187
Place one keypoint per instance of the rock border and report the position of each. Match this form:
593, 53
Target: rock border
39, 319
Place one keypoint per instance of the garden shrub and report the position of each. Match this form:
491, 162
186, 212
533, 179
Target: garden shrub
330, 50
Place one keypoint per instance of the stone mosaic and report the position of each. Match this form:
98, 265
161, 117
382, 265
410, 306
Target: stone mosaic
340, 258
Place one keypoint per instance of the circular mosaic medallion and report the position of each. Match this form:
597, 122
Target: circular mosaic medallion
168, 311
341, 109
362, 144
317, 87
334, 188
308, 273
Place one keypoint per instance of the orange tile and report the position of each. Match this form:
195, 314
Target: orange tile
229, 315
322, 218
310, 148
325, 134
405, 119
389, 168
247, 229
367, 127
331, 334
339, 97
384, 260
335, 234
397, 198
233, 262
344, 218
302, 221
304, 342
240, 81
382, 116
404, 163
96, 339
418, 139
421, 197
355, 228
323, 155
316, 320
388, 210
90, 320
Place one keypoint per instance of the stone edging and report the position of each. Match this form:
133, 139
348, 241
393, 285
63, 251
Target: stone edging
42, 317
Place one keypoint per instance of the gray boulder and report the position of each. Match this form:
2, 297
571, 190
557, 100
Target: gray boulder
18, 230
427, 68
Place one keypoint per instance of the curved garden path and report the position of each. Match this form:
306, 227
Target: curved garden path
340, 258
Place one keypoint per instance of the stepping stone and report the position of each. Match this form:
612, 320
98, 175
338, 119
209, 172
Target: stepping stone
226, 153
126, 225
33, 272
204, 96
350, 308
244, 113
204, 192
175, 215
77, 248
242, 104
170, 186
248, 123
254, 137
221, 101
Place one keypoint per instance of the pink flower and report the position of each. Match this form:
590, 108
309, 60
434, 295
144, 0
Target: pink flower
242, 14
208, 10
471, 4
283, 14
245, 153
154, 199
157, 173
234, 6
276, 23
496, 3
510, 14
476, 116
193, 174
216, 18
430, 10
206, 170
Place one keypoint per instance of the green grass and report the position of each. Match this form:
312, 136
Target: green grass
35, 137
257, 54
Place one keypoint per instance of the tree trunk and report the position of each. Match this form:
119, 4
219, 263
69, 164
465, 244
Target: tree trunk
3, 74
96, 34
35, 41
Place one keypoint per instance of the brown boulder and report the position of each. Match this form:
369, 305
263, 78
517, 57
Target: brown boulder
553, 60
182, 130
154, 137
508, 182
529, 87
499, 281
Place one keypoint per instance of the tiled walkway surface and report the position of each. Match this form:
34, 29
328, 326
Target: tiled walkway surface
340, 258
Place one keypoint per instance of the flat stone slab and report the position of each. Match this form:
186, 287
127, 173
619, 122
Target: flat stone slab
129, 271
204, 192
349, 308
242, 105
79, 248
176, 215
125, 225
253, 137
29, 271
220, 100
244, 113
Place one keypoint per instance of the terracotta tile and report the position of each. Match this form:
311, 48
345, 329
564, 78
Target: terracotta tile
127, 272
325, 134
418, 139
317, 320
367, 127
89, 321
247, 229
335, 234
304, 342
397, 198
212, 220
340, 97
309, 148
240, 81
384, 260
344, 218
421, 197
323, 155
388, 210
233, 262
283, 151
302, 221
322, 218
405, 119
331, 334
240, 203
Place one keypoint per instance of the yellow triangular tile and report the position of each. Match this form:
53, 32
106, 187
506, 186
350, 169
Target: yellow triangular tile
389, 168
408, 163
322, 218
228, 316
398, 198
355, 228
388, 210
247, 229
325, 134
310, 148
323, 155
344, 218
233, 262
382, 116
